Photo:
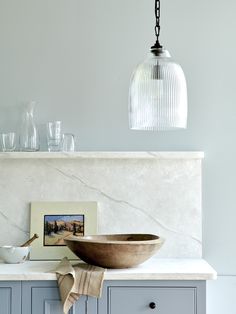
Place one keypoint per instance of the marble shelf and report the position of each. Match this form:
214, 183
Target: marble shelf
103, 155
154, 269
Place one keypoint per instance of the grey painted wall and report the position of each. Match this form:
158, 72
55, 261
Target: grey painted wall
75, 57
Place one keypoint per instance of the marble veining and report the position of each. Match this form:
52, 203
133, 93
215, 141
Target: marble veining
122, 202
155, 195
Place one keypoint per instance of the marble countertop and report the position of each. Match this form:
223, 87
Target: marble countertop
154, 269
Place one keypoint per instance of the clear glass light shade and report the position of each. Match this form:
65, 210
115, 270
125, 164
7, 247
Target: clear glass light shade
158, 95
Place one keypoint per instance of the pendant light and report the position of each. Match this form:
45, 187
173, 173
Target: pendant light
158, 91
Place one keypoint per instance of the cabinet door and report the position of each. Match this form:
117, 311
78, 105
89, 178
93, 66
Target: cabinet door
10, 298
153, 297
43, 298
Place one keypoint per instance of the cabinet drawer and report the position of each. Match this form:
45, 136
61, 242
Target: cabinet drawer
148, 300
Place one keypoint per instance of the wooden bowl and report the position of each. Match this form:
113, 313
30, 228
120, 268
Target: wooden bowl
115, 250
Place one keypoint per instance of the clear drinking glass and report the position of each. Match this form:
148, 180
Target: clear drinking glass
54, 136
8, 141
68, 142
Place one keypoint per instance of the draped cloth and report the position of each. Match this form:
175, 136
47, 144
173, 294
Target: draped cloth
74, 281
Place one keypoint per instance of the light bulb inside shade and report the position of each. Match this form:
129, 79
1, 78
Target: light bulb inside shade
149, 95
158, 95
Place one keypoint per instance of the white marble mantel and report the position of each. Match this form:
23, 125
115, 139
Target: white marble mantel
137, 192
153, 269
103, 155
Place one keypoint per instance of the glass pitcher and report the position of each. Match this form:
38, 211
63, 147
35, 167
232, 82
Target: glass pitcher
29, 137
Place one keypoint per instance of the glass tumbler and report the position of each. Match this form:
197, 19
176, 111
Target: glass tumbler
54, 136
8, 142
68, 142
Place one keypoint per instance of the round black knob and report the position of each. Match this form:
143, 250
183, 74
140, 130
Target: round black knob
152, 305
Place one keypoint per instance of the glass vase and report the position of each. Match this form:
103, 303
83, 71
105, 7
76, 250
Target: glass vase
29, 137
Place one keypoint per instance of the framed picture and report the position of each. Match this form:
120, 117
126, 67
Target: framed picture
54, 221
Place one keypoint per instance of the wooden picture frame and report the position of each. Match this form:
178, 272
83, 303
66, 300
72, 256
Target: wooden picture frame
53, 221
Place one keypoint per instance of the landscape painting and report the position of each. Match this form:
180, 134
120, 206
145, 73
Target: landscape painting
58, 227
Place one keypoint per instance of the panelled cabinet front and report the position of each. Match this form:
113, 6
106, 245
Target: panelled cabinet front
126, 297
10, 297
147, 297
43, 298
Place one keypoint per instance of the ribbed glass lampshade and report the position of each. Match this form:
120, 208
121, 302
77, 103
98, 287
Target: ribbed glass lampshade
158, 94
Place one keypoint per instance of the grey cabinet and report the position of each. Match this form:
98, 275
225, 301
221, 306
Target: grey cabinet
118, 297
10, 297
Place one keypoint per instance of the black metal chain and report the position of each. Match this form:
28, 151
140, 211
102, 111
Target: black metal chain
157, 26
158, 15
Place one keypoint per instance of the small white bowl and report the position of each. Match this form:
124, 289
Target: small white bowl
14, 254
